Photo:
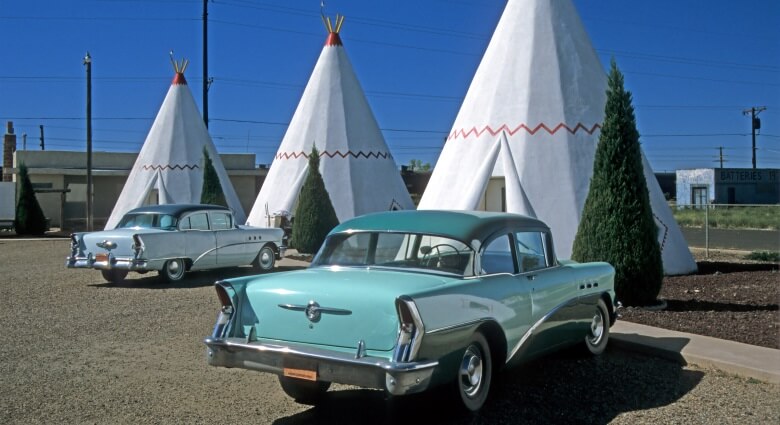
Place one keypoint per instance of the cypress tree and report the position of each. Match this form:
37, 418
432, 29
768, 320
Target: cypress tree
29, 218
212, 189
617, 224
314, 215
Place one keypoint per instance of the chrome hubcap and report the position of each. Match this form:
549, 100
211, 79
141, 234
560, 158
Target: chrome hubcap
471, 371
174, 268
596, 329
266, 258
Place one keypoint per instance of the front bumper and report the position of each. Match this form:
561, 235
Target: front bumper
329, 366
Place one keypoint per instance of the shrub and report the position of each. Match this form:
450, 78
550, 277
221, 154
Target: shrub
314, 215
29, 218
212, 189
617, 223
771, 256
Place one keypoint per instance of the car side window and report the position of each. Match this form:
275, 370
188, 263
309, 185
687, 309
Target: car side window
198, 221
530, 251
497, 256
220, 221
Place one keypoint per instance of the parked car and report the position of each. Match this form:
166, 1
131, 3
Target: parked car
173, 239
407, 300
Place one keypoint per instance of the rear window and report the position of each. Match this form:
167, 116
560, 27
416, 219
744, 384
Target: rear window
396, 250
148, 221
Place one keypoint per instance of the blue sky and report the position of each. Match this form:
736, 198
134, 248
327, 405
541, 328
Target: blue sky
693, 66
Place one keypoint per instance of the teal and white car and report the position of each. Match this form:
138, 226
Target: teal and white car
407, 300
172, 239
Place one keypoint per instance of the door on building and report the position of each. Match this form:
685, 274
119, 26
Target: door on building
732, 195
699, 196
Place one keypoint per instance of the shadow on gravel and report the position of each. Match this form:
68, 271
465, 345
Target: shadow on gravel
696, 305
712, 267
563, 388
191, 280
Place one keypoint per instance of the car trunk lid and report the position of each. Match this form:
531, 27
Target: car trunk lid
353, 305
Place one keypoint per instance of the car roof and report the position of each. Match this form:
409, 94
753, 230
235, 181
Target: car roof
465, 226
176, 209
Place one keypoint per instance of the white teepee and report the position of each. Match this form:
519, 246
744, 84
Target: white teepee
171, 160
540, 82
358, 170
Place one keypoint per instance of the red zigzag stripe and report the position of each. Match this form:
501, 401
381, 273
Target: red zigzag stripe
170, 167
493, 132
359, 154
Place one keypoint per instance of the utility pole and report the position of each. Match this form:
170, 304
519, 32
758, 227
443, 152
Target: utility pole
755, 124
88, 63
43, 141
24, 141
205, 63
721, 156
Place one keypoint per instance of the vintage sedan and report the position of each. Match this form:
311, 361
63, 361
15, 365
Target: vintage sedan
173, 239
403, 301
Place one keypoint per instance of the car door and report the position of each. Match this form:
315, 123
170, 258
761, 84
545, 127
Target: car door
231, 250
554, 295
500, 279
199, 240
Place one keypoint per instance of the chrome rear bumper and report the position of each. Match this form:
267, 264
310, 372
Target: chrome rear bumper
110, 264
330, 366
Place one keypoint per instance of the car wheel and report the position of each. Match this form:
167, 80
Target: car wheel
265, 260
598, 333
173, 270
474, 373
114, 276
304, 392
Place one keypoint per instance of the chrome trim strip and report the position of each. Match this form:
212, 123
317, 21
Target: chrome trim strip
331, 310
536, 325
460, 325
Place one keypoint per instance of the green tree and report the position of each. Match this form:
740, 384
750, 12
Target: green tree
314, 215
617, 224
212, 189
417, 166
29, 218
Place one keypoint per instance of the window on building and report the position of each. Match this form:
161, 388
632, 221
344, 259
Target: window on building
699, 195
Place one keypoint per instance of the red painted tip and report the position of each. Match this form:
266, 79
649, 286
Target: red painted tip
179, 79
333, 39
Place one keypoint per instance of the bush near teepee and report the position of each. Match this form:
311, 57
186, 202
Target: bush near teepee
617, 224
212, 190
29, 218
314, 215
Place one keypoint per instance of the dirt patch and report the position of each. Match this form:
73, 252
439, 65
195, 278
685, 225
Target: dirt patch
737, 301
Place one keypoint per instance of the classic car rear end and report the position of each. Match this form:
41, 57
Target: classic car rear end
173, 239
404, 301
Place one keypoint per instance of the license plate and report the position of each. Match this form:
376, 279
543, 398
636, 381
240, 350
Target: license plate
101, 258
307, 375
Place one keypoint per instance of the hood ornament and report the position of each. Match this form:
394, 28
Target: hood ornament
314, 311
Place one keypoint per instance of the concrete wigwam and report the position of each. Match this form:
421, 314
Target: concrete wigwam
358, 170
169, 168
542, 85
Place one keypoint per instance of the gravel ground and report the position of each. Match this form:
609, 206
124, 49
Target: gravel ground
79, 350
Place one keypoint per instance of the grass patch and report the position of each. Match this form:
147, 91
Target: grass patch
723, 217
764, 256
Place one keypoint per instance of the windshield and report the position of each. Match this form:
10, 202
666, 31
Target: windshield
396, 250
148, 221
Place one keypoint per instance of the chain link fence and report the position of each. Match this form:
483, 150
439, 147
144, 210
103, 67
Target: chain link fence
752, 228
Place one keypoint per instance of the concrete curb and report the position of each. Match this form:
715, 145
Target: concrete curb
732, 357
